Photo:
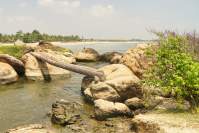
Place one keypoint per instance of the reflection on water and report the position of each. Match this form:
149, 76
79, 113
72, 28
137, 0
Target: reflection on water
28, 102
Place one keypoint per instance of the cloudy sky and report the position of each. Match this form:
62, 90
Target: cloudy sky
121, 19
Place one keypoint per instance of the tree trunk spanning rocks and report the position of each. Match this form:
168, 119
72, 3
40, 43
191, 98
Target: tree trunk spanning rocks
75, 68
15, 63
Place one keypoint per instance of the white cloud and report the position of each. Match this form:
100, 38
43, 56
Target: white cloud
102, 10
60, 6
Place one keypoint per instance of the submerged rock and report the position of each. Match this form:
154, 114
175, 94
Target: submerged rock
34, 128
105, 109
14, 62
87, 55
7, 74
65, 113
39, 70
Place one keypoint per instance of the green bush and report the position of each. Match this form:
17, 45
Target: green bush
16, 51
175, 71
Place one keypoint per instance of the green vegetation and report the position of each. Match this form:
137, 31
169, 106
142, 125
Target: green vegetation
175, 70
36, 36
16, 51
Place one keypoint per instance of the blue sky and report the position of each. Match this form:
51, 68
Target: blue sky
113, 19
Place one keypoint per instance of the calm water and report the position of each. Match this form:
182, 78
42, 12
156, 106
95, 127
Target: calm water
28, 102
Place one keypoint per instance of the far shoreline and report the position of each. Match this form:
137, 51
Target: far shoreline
81, 43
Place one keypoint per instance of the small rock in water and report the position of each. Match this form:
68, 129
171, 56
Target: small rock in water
65, 113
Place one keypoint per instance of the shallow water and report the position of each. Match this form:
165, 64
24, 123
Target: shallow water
28, 102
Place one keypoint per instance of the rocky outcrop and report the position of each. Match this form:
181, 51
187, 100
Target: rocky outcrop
65, 113
120, 84
15, 63
87, 55
7, 74
111, 57
138, 60
34, 128
105, 109
38, 70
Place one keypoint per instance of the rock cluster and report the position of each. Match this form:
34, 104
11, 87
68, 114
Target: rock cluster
109, 96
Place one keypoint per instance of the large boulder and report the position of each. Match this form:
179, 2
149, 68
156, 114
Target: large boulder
120, 84
14, 62
138, 60
7, 74
33, 128
39, 70
111, 57
87, 55
105, 109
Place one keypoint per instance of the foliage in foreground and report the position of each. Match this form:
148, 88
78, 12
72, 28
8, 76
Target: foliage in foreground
13, 50
175, 71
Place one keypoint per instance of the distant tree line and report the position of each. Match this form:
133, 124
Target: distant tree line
36, 36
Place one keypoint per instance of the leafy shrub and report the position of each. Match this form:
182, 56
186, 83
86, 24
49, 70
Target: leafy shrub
175, 71
16, 51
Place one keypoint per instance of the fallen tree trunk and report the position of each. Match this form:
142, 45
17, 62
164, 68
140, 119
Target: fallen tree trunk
71, 67
15, 63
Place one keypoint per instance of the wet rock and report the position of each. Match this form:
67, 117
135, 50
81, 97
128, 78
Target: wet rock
39, 70
14, 62
34, 128
120, 84
65, 113
7, 74
134, 103
87, 55
105, 109
111, 57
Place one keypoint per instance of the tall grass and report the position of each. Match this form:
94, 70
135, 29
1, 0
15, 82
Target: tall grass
16, 51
